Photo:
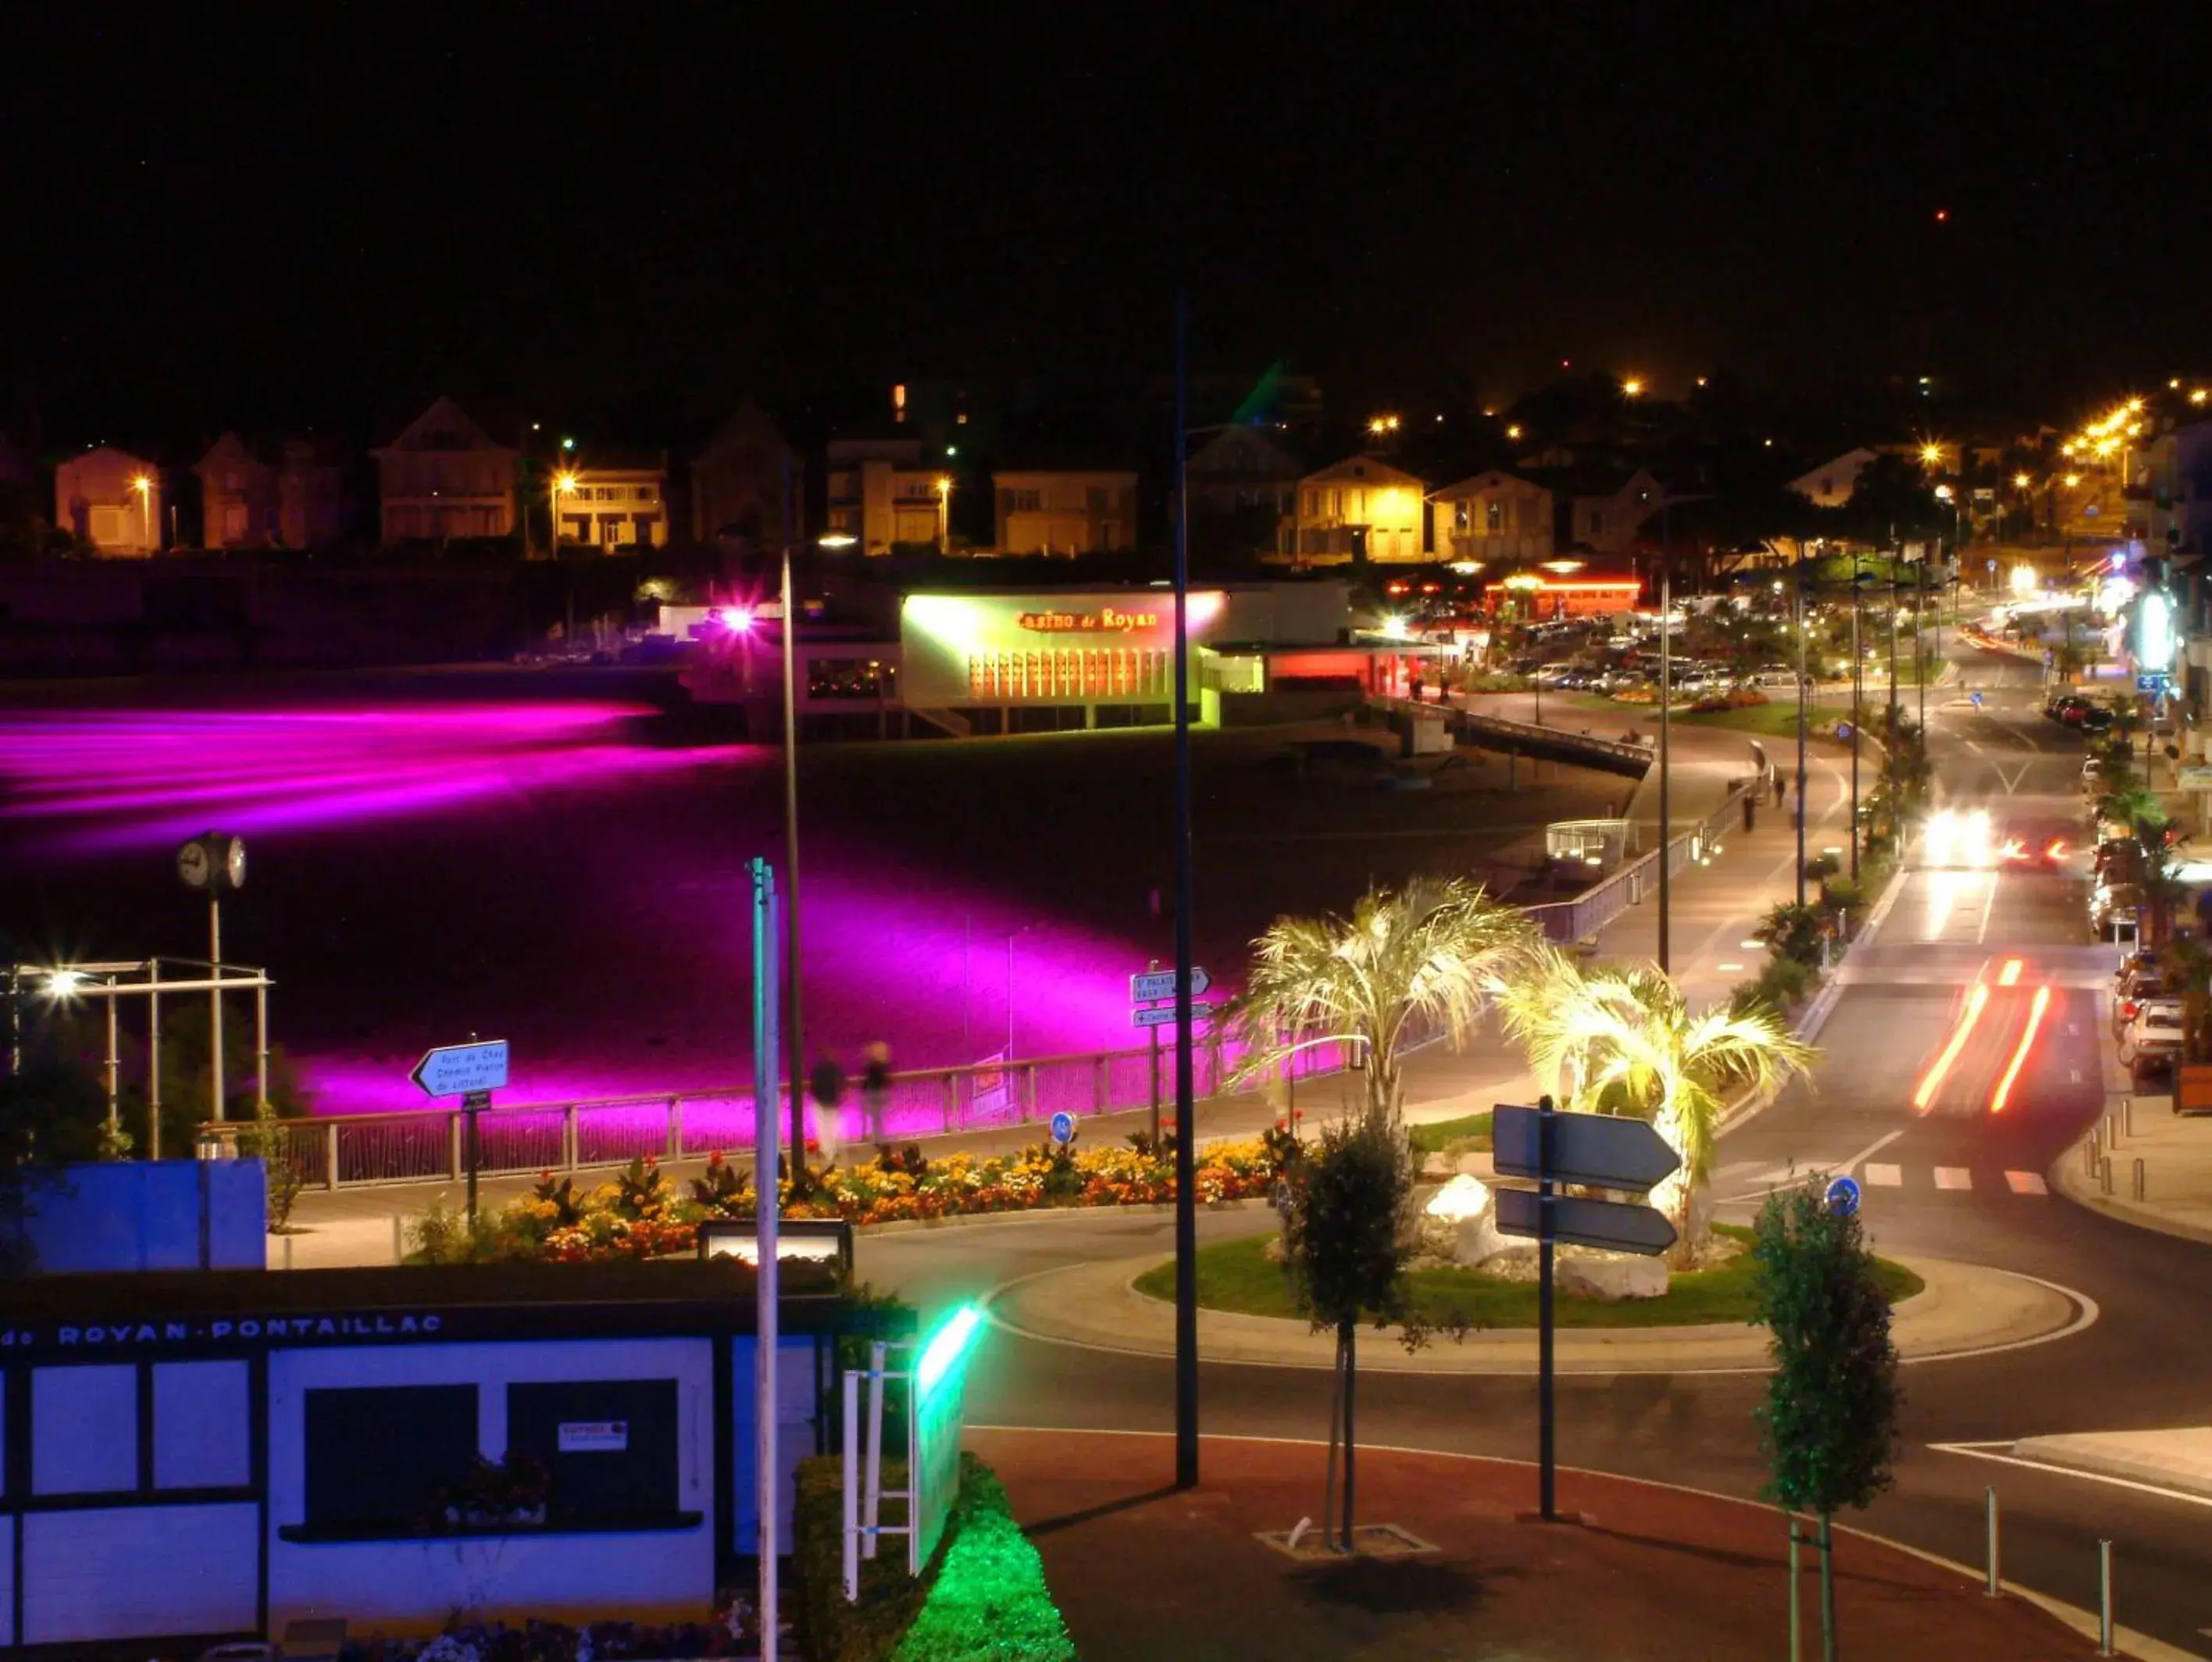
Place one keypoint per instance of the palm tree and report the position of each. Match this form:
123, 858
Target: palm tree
1621, 1038
1406, 963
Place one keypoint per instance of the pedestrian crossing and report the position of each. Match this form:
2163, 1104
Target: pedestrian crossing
1752, 1182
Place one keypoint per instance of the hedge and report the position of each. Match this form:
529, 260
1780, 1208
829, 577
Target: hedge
983, 1598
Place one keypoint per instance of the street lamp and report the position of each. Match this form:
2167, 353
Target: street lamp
944, 513
144, 487
564, 484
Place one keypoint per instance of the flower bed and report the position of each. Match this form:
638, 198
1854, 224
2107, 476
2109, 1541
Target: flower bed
641, 1213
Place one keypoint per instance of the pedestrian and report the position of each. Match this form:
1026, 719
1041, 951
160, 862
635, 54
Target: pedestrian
1413, 681
1781, 787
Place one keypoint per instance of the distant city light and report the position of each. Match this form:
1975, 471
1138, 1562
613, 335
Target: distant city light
1393, 628
1513, 431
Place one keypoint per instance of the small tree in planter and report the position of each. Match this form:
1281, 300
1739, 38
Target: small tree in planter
1828, 1428
1348, 1229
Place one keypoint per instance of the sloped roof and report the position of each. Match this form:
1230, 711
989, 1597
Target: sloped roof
1365, 468
1489, 479
445, 425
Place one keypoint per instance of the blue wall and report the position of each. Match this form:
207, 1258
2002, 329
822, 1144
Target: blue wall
152, 1214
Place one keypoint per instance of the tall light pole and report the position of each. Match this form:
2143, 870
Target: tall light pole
1666, 698
944, 513
1798, 610
144, 487
1858, 697
1186, 1215
797, 1029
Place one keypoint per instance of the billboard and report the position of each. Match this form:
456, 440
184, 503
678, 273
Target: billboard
1060, 647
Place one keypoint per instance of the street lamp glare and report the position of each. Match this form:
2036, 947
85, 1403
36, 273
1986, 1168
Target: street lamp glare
1632, 387
2020, 482
835, 539
1931, 454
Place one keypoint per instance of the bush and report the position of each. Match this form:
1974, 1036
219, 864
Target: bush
1821, 867
1843, 894
983, 1598
1793, 932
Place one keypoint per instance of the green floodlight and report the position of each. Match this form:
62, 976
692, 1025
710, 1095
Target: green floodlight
947, 1345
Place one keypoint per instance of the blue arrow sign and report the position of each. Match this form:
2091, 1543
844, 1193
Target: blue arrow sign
1063, 1127
457, 1070
1843, 1196
1162, 1016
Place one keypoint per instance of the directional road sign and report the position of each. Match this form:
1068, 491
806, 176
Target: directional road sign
1161, 984
1620, 1225
1598, 1150
457, 1070
1163, 1016
1843, 1196
1063, 1127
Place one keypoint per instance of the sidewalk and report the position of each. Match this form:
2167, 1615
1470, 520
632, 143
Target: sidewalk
1143, 1571
2174, 1153
1714, 908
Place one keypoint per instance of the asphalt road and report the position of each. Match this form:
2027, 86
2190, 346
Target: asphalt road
1948, 1106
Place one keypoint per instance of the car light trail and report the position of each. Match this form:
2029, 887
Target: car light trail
2027, 1043
1976, 1001
2009, 975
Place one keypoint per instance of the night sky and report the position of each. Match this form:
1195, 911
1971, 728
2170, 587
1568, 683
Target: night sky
259, 215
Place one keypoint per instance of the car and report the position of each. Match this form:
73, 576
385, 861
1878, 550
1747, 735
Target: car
2066, 709
2141, 994
1551, 674
2095, 719
1772, 675
2111, 905
2154, 1034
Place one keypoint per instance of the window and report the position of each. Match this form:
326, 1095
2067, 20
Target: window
1493, 517
611, 1445
84, 1430
377, 1457
1024, 501
646, 492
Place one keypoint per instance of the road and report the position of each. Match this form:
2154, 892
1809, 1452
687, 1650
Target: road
1949, 1106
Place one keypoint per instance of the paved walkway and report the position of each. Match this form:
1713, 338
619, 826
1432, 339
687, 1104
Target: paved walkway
1714, 908
1143, 1571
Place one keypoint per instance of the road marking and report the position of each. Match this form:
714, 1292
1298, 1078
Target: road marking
2026, 1183
1988, 900
1954, 1177
1975, 748
2074, 1074
1885, 1176
1988, 1452
1871, 1149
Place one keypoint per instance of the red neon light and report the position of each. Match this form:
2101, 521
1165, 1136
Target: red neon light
2019, 1057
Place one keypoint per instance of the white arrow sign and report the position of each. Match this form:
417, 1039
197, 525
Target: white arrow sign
1161, 984
1162, 1016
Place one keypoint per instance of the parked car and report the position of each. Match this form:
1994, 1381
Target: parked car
2095, 719
1773, 675
2140, 994
2113, 904
2066, 709
2155, 1034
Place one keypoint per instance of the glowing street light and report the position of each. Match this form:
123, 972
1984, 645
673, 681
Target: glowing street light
144, 487
2072, 481
1379, 425
2020, 482
1632, 387
564, 484
944, 513
1931, 454
1513, 431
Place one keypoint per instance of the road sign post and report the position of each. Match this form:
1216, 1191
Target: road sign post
471, 1071
1595, 1152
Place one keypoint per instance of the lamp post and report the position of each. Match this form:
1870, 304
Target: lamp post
1798, 610
944, 513
1666, 806
1858, 699
144, 487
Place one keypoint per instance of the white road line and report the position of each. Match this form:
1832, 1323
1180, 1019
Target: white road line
1987, 900
1871, 1149
1885, 1176
1989, 1451
2026, 1183
1954, 1177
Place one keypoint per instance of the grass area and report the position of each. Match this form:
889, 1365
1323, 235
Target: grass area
1468, 1134
1235, 1275
1774, 719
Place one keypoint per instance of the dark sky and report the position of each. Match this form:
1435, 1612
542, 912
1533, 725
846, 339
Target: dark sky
262, 215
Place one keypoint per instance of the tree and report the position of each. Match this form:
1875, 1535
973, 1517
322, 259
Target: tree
1348, 1229
52, 1114
1828, 1428
1405, 963
1622, 1038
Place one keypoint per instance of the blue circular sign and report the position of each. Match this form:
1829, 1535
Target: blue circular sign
1843, 1196
1063, 1127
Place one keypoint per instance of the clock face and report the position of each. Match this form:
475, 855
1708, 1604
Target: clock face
192, 865
234, 862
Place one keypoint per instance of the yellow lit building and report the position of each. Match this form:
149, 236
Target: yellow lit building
1495, 517
613, 504
112, 500
880, 496
1064, 511
1361, 507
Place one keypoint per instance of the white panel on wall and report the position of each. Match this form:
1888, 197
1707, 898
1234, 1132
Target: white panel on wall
84, 1430
203, 1425
7, 1581
124, 1573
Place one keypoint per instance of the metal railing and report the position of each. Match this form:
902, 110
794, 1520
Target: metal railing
430, 1146
1573, 921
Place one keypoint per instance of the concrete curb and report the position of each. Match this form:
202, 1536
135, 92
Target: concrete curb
1964, 1310
2128, 1641
2136, 1457
2069, 1174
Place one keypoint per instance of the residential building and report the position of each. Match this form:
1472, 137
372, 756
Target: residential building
748, 482
1830, 485
238, 496
1360, 508
112, 499
879, 494
613, 502
444, 477
1495, 517
311, 494
1065, 511
1604, 509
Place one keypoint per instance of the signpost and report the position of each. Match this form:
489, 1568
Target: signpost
1149, 987
1063, 1128
1596, 1151
472, 1072
1842, 1195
